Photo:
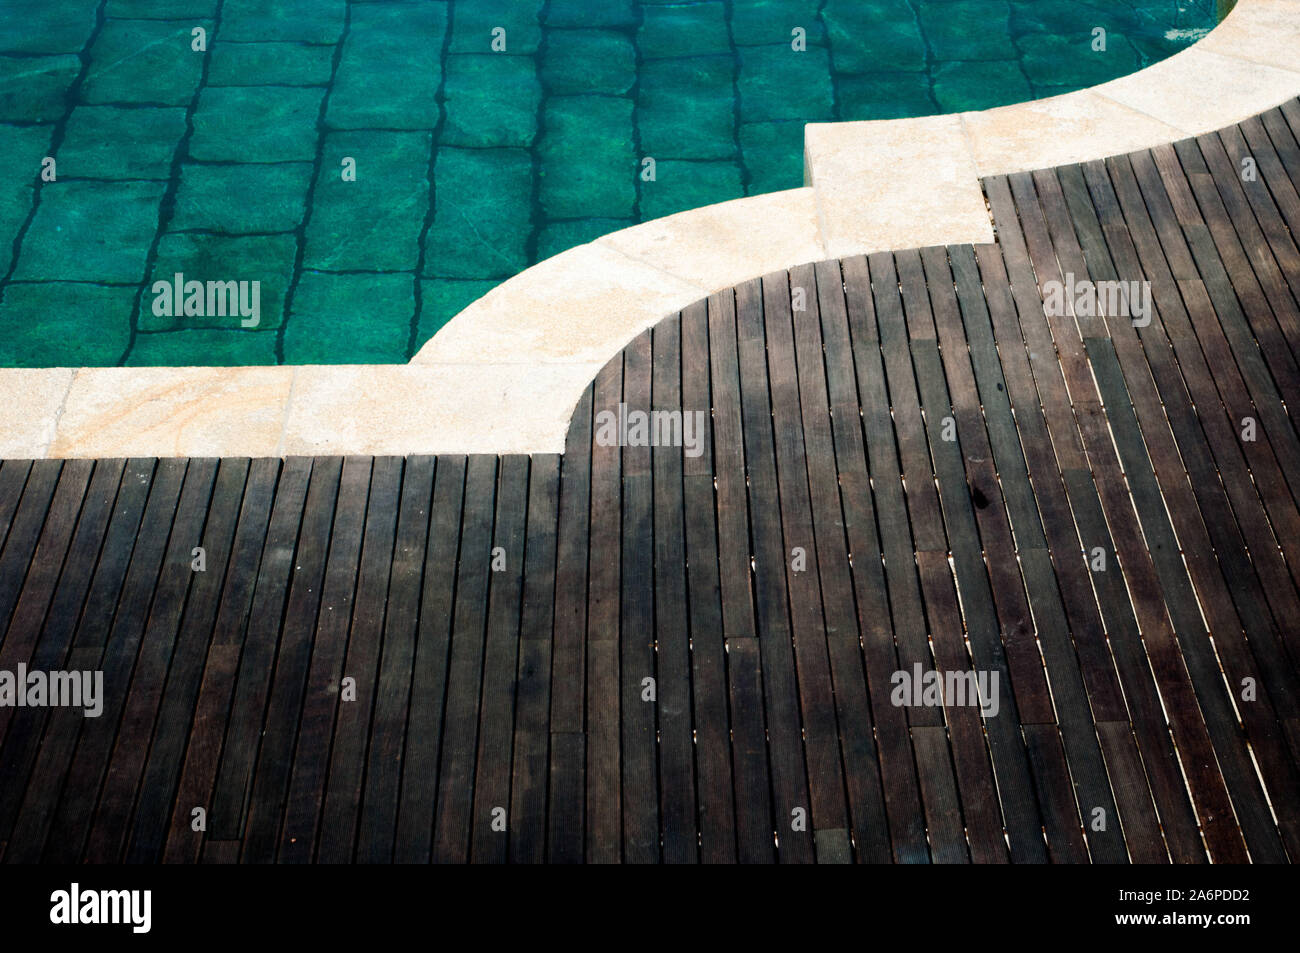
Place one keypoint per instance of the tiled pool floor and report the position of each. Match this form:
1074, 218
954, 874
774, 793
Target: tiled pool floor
230, 163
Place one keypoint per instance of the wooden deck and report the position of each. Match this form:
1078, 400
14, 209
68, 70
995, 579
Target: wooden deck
907, 463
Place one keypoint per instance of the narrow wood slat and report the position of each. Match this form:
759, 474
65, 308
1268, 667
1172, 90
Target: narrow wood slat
992, 594
712, 724
453, 821
943, 809
44, 568
341, 807
1186, 453
553, 664
544, 610
1246, 386
637, 660
489, 837
975, 782
13, 477
418, 797
674, 691
754, 822
385, 756
1211, 454
790, 777
603, 773
25, 533
1083, 610
907, 615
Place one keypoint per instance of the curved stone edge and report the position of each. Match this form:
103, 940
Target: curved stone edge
504, 375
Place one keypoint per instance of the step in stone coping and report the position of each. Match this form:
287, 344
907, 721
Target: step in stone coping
504, 375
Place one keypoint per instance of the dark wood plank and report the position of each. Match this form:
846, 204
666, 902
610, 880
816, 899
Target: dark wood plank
1158, 645
790, 777
754, 821
42, 573
13, 477
993, 601
603, 771
551, 554
1082, 609
943, 809
25, 533
674, 705
385, 759
553, 660
640, 785
1202, 663
340, 811
416, 806
1170, 564
1219, 499
1192, 453
906, 612
289, 778
970, 756
489, 837
1250, 380
453, 821
712, 727
1047, 611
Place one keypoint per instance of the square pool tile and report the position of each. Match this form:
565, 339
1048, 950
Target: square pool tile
91, 231
269, 64
256, 124
116, 142
374, 223
268, 259
65, 324
35, 88
350, 319
144, 61
242, 198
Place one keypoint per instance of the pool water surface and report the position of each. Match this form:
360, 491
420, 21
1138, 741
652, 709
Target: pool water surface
363, 171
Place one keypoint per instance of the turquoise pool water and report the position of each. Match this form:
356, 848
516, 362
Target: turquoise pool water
362, 171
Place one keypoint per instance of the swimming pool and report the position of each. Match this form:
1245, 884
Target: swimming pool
238, 182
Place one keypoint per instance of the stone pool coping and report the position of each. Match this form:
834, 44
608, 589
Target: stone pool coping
504, 375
